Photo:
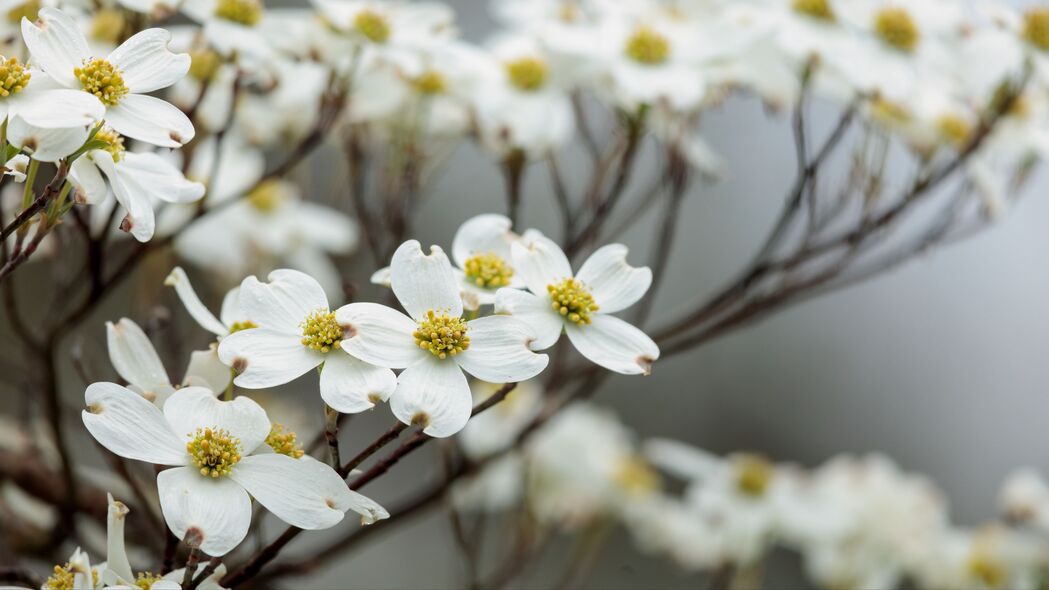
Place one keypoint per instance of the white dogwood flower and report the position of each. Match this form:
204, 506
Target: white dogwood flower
581, 304
117, 572
220, 460
298, 332
434, 344
75, 574
138, 179
121, 81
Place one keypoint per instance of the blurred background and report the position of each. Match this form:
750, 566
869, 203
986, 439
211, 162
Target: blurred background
941, 364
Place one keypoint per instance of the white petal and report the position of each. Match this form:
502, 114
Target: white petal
540, 262
614, 344
284, 302
499, 350
264, 358
206, 370
57, 108
146, 62
614, 284
191, 408
350, 385
135, 359
231, 311
141, 220
56, 45
483, 234
424, 282
207, 320
436, 393
534, 310
116, 553
90, 186
381, 277
151, 120
128, 425
302, 492
217, 507
379, 335
45, 145
152, 175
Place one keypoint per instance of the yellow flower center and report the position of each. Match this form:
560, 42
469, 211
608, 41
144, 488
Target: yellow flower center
1036, 27
145, 580
29, 10
245, 325
753, 475
13, 76
321, 331
636, 477
283, 442
101, 78
372, 25
573, 300
62, 577
203, 64
815, 8
987, 570
430, 82
488, 271
442, 335
266, 197
114, 142
896, 27
214, 451
107, 25
527, 73
647, 46
889, 112
954, 128
245, 12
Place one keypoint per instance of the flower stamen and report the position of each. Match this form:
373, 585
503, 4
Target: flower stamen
372, 25
245, 325
573, 300
1036, 27
283, 442
321, 331
648, 46
528, 73
214, 451
114, 142
753, 475
103, 79
443, 335
145, 580
488, 271
819, 9
896, 27
245, 12
13, 76
430, 82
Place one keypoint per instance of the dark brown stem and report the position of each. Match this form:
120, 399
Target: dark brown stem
383, 440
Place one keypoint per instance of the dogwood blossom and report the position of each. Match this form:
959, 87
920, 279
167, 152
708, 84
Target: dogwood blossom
219, 459
434, 344
580, 304
119, 81
297, 331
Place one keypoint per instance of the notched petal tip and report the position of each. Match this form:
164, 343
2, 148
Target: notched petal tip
126, 224
95, 408
421, 419
348, 331
176, 137
240, 364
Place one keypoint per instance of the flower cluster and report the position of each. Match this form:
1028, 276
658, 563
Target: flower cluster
856, 521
